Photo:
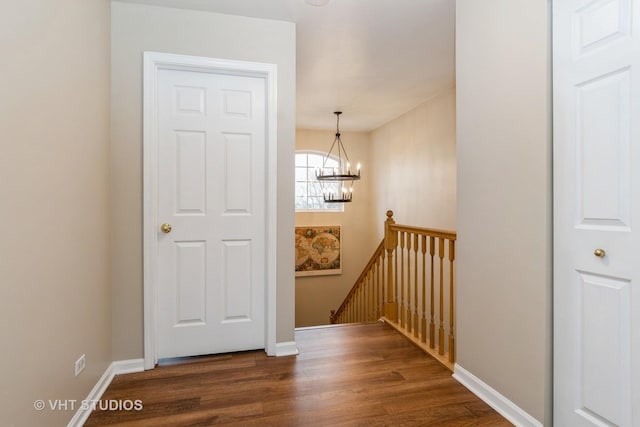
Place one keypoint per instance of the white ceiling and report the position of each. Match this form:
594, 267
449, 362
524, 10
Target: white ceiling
372, 59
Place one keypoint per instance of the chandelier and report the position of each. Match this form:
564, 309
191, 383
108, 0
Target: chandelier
337, 181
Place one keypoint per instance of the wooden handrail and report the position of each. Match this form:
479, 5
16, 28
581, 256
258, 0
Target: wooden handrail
399, 289
432, 232
376, 254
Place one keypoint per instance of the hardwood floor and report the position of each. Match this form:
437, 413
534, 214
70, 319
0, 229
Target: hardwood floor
352, 375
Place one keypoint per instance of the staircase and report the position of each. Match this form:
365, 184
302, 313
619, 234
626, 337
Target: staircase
409, 284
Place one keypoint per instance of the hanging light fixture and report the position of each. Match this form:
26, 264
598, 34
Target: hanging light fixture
337, 181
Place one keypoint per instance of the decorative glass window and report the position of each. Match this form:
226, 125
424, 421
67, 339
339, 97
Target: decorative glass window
309, 196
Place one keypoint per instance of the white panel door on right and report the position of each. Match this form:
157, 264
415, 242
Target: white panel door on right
596, 51
212, 194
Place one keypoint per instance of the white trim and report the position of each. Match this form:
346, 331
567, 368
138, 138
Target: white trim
288, 348
115, 368
153, 62
130, 366
493, 398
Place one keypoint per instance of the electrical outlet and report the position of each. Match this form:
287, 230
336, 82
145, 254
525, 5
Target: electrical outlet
79, 365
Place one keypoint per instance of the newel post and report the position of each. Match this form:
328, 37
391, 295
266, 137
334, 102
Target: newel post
390, 243
332, 317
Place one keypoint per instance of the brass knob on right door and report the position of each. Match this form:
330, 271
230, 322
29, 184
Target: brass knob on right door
600, 253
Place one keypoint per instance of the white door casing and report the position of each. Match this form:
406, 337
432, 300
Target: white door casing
210, 128
596, 57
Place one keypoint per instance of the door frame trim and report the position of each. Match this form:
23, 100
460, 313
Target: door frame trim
153, 62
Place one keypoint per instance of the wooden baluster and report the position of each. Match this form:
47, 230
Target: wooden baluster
452, 337
423, 248
441, 328
374, 290
360, 304
396, 284
345, 313
354, 308
416, 311
381, 272
359, 315
432, 324
356, 305
381, 281
363, 300
403, 301
354, 311
380, 285
410, 303
367, 297
367, 311
376, 294
372, 294
390, 243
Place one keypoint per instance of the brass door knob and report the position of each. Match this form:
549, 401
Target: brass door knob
600, 253
165, 228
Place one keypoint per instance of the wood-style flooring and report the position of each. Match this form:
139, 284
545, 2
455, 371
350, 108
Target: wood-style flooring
351, 375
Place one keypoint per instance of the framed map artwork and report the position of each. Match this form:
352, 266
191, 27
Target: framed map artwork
318, 250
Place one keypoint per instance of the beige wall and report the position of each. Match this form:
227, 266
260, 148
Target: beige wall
316, 296
504, 198
414, 159
137, 28
55, 301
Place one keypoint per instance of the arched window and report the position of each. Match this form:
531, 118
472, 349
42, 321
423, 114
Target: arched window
309, 195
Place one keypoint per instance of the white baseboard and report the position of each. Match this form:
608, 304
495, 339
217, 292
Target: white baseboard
115, 368
127, 366
286, 349
493, 398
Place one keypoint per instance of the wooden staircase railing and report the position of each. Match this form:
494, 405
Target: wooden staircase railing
409, 283
365, 300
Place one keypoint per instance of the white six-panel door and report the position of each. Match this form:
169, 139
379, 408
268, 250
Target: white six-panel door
212, 193
596, 47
